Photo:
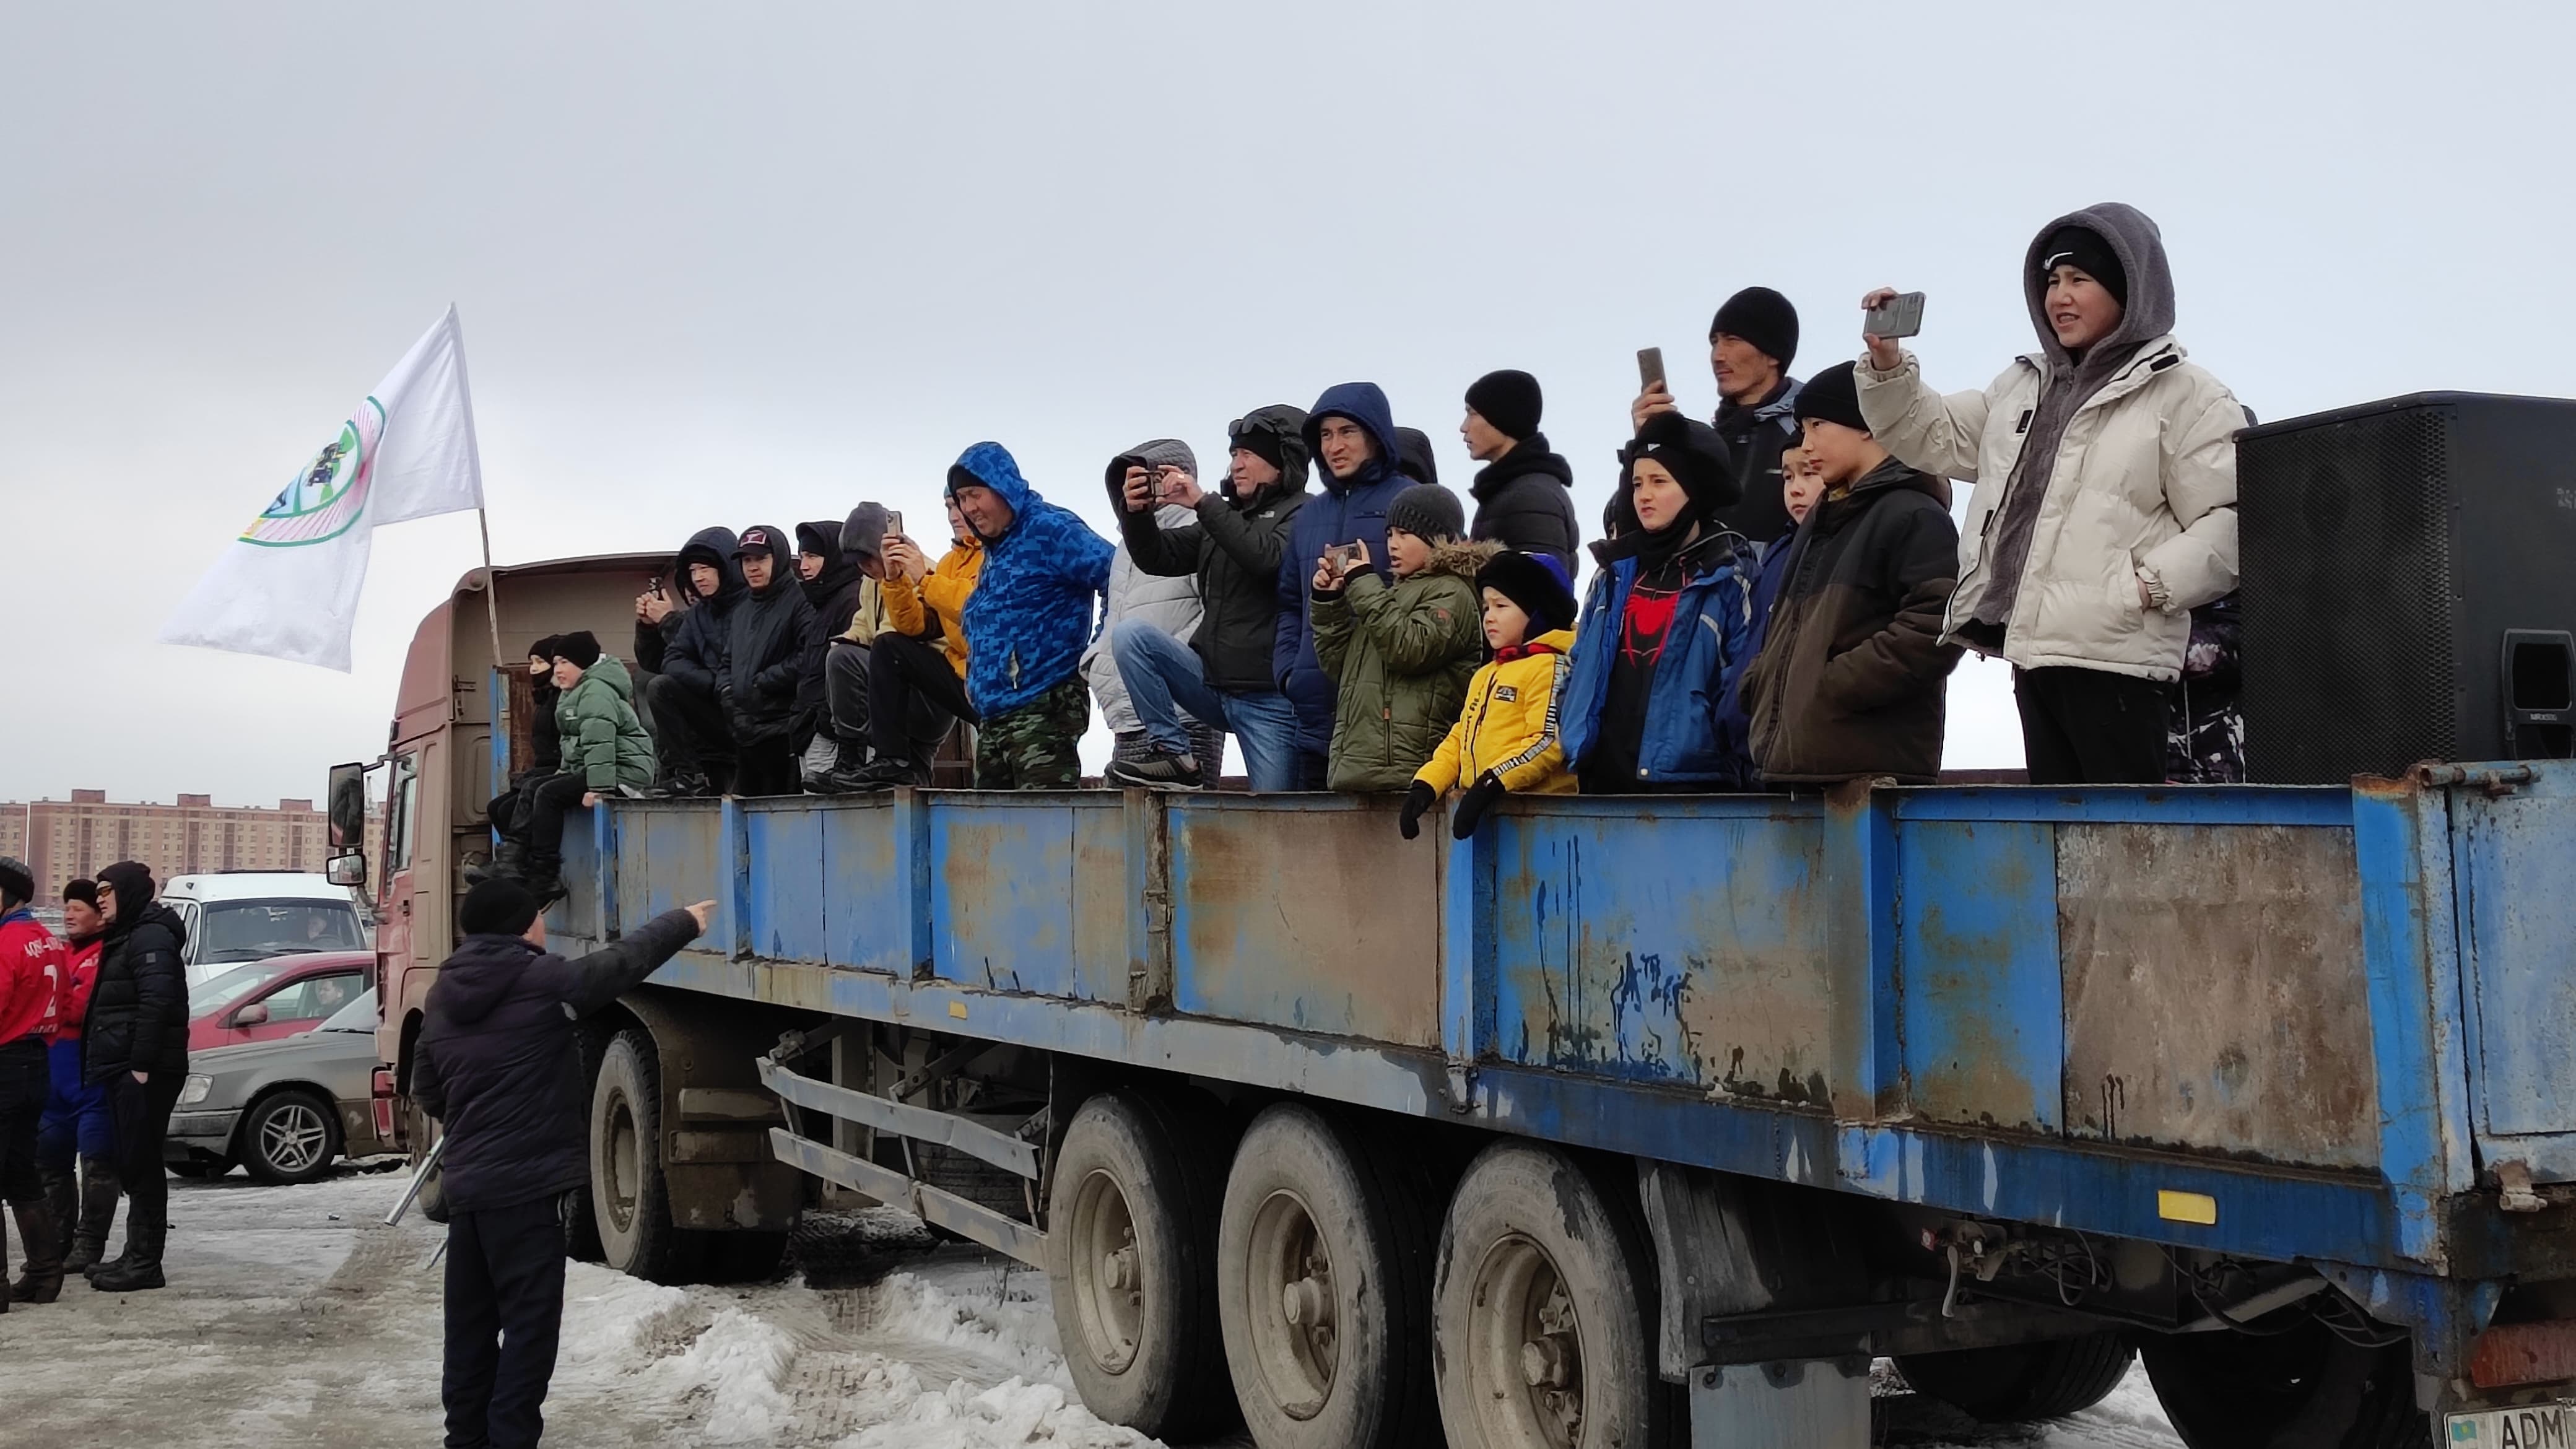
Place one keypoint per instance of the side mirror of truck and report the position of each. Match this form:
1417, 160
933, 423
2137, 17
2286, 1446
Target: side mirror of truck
346, 870
255, 1014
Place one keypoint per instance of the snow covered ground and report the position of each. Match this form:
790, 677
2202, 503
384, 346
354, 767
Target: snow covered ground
296, 1318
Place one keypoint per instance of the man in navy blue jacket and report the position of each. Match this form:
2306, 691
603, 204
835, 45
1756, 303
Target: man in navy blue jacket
498, 1067
1350, 433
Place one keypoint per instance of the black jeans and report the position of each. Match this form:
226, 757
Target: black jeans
142, 1128
547, 800
767, 767
913, 696
690, 735
2091, 727
26, 1081
505, 1287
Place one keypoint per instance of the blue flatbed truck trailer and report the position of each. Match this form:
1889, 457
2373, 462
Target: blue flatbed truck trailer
1627, 1121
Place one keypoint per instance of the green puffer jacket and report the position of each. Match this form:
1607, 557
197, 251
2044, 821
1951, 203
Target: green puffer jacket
603, 741
1401, 656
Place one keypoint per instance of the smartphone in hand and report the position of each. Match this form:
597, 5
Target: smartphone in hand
1898, 316
1650, 368
1342, 556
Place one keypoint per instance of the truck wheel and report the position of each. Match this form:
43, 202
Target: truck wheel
582, 1242
1543, 1322
289, 1137
2295, 1384
2024, 1381
1323, 1289
1131, 1221
631, 1205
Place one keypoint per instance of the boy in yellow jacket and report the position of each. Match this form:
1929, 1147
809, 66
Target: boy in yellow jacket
1507, 739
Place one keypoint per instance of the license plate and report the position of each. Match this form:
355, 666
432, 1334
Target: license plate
2538, 1426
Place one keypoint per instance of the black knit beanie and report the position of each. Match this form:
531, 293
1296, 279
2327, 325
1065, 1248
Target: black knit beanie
1765, 319
1534, 581
1832, 396
545, 648
1429, 512
1694, 454
497, 906
2083, 249
1509, 400
580, 646
83, 890
17, 883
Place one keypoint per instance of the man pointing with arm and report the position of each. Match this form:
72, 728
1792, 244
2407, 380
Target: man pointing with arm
499, 1068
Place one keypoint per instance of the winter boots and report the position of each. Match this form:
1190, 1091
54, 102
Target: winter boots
94, 1213
509, 860
42, 1282
542, 873
140, 1267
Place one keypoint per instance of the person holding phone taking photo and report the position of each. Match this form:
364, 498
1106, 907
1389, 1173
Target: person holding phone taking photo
2105, 502
1751, 343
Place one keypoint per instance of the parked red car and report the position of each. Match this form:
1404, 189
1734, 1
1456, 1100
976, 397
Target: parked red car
279, 997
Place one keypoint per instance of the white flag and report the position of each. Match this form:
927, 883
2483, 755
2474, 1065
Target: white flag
289, 587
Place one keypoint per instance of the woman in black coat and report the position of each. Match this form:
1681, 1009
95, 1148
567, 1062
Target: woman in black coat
135, 1042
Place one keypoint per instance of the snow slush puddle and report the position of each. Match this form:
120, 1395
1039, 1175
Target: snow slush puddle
295, 1318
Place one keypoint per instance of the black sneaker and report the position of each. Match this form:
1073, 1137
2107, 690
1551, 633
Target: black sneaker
1158, 771
680, 787
884, 774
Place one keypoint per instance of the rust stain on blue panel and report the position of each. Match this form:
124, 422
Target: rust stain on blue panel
1983, 1023
669, 857
1007, 897
1694, 955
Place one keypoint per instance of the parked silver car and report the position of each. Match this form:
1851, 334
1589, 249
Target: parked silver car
283, 1109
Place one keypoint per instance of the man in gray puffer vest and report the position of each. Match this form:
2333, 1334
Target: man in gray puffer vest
497, 1066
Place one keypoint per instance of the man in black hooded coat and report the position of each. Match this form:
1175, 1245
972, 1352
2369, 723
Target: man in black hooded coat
497, 1065
688, 655
832, 590
765, 664
134, 1041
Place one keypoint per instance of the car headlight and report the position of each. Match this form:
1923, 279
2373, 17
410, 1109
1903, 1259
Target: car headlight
195, 1090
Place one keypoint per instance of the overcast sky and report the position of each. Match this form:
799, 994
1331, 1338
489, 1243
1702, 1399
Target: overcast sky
753, 263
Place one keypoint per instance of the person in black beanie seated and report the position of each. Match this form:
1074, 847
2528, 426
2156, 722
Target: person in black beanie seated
1523, 497
1751, 343
508, 812
498, 1067
1664, 625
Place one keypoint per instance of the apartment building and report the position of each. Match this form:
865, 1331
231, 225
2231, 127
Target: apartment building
62, 839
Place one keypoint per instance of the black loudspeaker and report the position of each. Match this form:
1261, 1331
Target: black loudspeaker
2409, 585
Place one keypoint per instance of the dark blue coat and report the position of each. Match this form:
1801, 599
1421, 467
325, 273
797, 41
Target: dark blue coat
1692, 735
1352, 511
498, 1066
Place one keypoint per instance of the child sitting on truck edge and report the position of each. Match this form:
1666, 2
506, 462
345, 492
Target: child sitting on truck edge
1399, 654
1509, 737
1664, 623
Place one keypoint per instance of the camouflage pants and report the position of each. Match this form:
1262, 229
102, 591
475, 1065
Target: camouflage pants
1036, 746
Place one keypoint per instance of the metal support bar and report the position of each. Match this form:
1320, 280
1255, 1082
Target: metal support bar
940, 1209
922, 1123
942, 1066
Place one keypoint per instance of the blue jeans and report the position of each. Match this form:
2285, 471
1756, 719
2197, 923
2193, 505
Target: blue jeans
1165, 677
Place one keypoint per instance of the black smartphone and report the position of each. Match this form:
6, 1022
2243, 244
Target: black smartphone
1898, 316
1650, 368
653, 586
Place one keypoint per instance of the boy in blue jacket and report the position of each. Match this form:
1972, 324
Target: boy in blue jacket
1027, 624
1665, 626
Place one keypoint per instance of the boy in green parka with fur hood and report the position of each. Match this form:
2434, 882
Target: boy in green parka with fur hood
1401, 653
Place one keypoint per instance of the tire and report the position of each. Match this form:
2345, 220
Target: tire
2025, 1381
1132, 1215
1352, 1370
582, 1239
1544, 1274
289, 1137
2293, 1384
630, 1204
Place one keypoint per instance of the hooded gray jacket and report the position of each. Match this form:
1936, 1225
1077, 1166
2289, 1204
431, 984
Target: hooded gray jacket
2141, 489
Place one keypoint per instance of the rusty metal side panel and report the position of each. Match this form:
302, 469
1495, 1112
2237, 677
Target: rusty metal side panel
1009, 908
1691, 952
2215, 992
1983, 1025
1309, 914
866, 910
784, 905
2515, 856
671, 855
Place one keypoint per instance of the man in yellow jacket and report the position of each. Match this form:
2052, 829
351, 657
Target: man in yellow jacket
917, 679
1507, 739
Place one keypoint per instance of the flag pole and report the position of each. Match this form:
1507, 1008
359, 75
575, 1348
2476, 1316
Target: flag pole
492, 615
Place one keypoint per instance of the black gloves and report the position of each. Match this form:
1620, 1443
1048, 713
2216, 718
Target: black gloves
1473, 804
1416, 800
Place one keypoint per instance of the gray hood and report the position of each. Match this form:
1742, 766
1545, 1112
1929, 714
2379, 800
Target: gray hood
2132, 237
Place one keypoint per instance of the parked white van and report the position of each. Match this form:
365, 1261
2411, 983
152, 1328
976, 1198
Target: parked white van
251, 915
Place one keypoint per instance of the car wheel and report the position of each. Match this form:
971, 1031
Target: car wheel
290, 1137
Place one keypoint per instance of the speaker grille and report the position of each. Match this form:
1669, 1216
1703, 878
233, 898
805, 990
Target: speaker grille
2351, 655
